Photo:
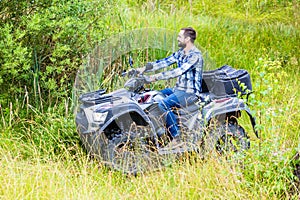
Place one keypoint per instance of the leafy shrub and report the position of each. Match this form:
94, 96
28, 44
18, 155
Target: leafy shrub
42, 44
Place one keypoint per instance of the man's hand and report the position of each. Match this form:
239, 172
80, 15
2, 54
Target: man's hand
148, 67
149, 79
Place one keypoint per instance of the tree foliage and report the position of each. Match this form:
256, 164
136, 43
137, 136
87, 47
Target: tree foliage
42, 44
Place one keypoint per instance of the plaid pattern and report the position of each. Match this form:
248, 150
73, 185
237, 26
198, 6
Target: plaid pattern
188, 72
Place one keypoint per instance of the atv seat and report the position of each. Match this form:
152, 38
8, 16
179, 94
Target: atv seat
202, 101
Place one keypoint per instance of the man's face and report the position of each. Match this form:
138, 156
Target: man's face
181, 39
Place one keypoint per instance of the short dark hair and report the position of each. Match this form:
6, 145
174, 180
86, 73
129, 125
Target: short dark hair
189, 32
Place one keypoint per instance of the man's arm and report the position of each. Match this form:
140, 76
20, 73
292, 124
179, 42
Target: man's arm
165, 62
178, 71
159, 64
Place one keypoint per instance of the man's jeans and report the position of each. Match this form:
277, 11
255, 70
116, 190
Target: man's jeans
176, 99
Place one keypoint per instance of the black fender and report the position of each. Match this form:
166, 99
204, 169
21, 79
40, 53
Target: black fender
127, 109
225, 106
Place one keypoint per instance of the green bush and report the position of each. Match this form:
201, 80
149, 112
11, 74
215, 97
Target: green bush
42, 44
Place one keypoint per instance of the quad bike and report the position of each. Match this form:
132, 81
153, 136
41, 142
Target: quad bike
125, 128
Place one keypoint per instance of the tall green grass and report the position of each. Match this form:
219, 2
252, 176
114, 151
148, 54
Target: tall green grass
42, 157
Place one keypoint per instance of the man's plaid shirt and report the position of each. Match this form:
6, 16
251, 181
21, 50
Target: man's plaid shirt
188, 72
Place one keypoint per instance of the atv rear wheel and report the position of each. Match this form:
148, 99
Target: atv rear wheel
228, 137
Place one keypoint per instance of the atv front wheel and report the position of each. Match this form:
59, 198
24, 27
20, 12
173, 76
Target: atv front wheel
131, 152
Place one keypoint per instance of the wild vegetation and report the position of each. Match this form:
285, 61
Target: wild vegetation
43, 44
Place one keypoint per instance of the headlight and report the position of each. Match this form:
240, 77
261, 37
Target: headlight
99, 117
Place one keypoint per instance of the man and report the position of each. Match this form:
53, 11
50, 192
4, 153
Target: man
189, 77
